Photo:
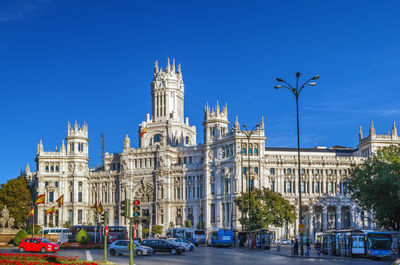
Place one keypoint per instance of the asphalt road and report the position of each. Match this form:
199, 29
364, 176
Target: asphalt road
219, 256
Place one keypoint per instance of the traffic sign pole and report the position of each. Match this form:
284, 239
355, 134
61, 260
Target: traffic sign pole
105, 236
131, 257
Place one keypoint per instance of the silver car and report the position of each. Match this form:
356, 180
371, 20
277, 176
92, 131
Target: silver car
120, 247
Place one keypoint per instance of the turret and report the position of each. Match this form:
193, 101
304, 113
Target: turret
394, 131
372, 131
77, 139
360, 133
215, 122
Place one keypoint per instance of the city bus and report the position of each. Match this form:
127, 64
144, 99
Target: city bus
262, 238
378, 244
221, 237
196, 236
96, 233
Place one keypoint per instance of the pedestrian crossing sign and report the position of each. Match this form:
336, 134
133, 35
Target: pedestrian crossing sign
301, 228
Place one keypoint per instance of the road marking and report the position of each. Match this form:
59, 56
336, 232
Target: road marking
89, 256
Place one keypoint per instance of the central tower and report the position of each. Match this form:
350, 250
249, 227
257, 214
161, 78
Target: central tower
167, 92
167, 122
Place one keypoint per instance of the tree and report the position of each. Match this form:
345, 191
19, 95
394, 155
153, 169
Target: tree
156, 229
375, 186
82, 237
267, 208
188, 223
16, 195
200, 225
30, 229
19, 236
146, 232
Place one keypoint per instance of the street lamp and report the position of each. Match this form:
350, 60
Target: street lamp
248, 134
296, 92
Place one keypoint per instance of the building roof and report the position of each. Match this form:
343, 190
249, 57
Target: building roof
334, 149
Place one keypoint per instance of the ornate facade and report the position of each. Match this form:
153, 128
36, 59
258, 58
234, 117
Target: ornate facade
176, 179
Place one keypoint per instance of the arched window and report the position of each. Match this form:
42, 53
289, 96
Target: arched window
255, 151
71, 217
57, 168
187, 140
256, 170
80, 196
47, 168
151, 142
157, 138
316, 188
79, 216
243, 150
250, 151
52, 168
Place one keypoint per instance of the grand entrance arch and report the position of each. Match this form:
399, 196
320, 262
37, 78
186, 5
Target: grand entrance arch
145, 194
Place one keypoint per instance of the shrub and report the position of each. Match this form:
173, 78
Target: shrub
19, 236
188, 223
82, 237
157, 229
67, 224
29, 230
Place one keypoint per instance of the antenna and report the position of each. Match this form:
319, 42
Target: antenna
103, 145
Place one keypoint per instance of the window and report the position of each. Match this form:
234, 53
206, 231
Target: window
329, 171
256, 170
157, 138
190, 160
316, 187
251, 184
243, 150
212, 213
289, 187
79, 216
303, 171
272, 171
47, 168
244, 170
255, 151
303, 186
272, 184
212, 189
316, 171
57, 168
56, 184
179, 193
288, 171
46, 184
71, 196
250, 151
190, 192
80, 197
187, 140
51, 196
105, 196
184, 160
330, 187
52, 168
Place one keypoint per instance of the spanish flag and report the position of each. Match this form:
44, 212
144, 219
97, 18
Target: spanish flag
60, 201
144, 131
40, 199
94, 206
99, 208
32, 212
51, 210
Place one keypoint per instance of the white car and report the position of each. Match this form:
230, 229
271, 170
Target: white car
183, 242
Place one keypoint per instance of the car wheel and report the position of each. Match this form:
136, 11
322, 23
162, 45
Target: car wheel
43, 250
173, 251
191, 248
113, 252
21, 250
139, 253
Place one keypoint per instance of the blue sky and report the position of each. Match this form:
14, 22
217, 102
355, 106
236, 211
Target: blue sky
93, 61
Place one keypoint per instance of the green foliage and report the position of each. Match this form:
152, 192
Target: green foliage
16, 195
200, 225
375, 186
157, 230
146, 232
30, 227
82, 237
267, 208
67, 224
19, 236
188, 224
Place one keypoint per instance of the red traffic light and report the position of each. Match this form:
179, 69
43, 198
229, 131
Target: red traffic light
137, 202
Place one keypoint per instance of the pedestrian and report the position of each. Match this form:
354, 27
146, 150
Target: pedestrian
318, 247
296, 247
292, 247
308, 248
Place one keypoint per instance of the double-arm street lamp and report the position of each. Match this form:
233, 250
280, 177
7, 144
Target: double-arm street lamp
296, 92
248, 134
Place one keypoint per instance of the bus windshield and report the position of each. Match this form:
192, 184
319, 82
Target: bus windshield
379, 242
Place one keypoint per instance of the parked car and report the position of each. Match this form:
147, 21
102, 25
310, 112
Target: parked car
121, 247
284, 242
161, 245
37, 244
183, 242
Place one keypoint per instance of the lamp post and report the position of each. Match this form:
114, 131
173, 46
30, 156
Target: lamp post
232, 157
248, 134
296, 92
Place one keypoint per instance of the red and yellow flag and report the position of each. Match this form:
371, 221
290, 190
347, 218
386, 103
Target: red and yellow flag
143, 132
94, 206
99, 208
32, 212
60, 201
51, 210
40, 199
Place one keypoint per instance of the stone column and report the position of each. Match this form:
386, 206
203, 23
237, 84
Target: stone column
311, 224
324, 218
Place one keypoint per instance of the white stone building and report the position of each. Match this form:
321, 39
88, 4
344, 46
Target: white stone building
176, 179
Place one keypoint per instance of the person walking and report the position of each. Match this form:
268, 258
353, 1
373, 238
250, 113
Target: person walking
318, 247
296, 247
292, 247
308, 247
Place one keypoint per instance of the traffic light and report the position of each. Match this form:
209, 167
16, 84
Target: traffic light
136, 209
104, 218
125, 208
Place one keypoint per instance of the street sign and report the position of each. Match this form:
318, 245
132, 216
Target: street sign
301, 228
106, 231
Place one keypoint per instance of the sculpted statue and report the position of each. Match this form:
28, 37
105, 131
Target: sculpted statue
6, 222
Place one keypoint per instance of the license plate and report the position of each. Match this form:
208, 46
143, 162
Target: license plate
226, 238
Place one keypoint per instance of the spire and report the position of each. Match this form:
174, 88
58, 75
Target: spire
394, 130
62, 148
360, 133
173, 65
168, 66
179, 69
27, 169
372, 129
76, 126
262, 123
237, 125
155, 67
127, 143
217, 108
39, 147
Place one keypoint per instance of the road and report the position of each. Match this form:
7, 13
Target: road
219, 256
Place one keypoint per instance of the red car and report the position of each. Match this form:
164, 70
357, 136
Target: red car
37, 244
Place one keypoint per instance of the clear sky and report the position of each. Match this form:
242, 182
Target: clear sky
67, 60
